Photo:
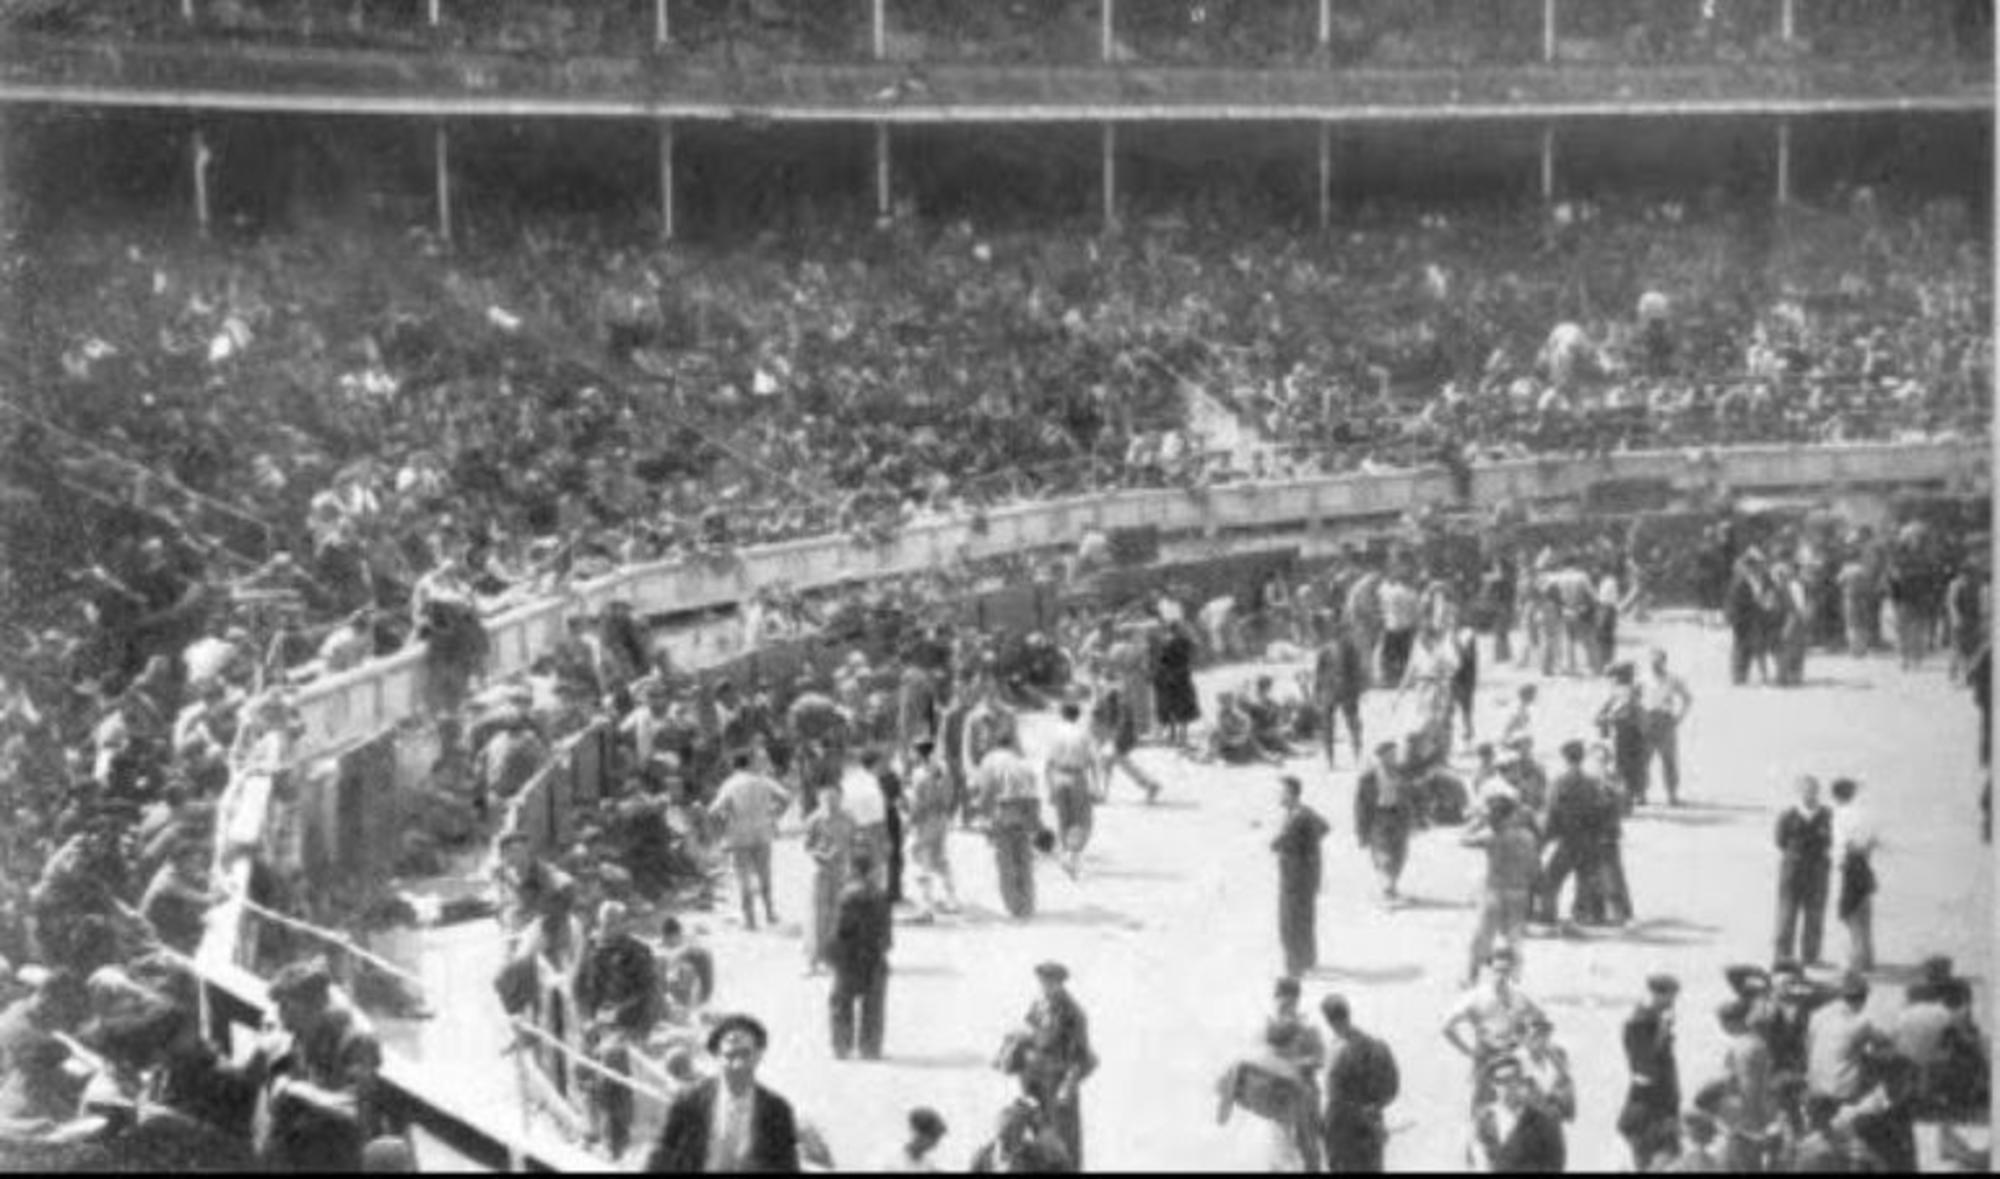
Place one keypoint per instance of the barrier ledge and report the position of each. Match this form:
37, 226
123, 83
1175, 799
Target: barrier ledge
427, 1101
353, 704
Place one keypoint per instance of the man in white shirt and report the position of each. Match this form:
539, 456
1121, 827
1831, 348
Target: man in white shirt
1664, 701
748, 805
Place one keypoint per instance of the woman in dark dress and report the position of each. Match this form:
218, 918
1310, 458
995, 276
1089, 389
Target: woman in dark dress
1173, 683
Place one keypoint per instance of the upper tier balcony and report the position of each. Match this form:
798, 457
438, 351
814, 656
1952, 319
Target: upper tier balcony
208, 73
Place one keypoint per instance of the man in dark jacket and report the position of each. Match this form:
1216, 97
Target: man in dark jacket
1805, 864
1566, 827
729, 1123
1300, 833
1340, 676
1650, 1120
1516, 1133
863, 931
617, 989
1361, 1082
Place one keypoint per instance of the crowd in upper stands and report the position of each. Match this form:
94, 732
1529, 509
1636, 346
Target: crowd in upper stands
1246, 33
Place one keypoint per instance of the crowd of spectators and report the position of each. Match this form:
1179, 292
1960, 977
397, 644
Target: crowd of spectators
1243, 33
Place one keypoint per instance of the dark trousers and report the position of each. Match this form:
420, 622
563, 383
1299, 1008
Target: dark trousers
1349, 711
1396, 647
1568, 857
1298, 914
1745, 647
866, 988
1801, 914
1353, 1145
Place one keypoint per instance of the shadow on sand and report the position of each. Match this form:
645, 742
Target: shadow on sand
1370, 975
962, 1061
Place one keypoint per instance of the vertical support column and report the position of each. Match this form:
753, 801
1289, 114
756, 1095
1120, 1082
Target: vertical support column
666, 181
436, 12
200, 156
1788, 21
1107, 33
663, 31
1325, 176
883, 195
1548, 31
187, 11
1548, 165
1325, 25
1110, 183
441, 153
879, 21
1784, 163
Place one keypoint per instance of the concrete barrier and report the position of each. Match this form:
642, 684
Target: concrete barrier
345, 709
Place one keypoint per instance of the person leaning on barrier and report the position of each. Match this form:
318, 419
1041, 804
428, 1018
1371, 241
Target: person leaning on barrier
617, 989
316, 1067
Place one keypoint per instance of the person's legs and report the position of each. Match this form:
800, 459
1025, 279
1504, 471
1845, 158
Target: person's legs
762, 863
840, 1011
1861, 937
1562, 861
874, 1012
1789, 912
1486, 927
1812, 917
746, 884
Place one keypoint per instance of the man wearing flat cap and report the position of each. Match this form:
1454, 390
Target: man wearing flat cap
1058, 1058
317, 1070
1516, 1134
1650, 1120
729, 1123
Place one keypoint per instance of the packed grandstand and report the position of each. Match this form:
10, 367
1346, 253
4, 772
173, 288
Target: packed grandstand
240, 460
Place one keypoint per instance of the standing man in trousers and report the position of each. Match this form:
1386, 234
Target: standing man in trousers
1664, 701
1058, 1058
1805, 866
1362, 1080
1854, 842
830, 842
1513, 862
1650, 1120
1300, 834
1007, 791
863, 932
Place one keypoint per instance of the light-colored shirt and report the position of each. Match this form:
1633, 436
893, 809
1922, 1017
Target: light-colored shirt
1401, 607
1836, 1043
729, 1133
749, 805
1664, 693
861, 791
1854, 829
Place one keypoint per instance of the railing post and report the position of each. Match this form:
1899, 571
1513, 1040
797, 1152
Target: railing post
436, 12
187, 12
441, 155
1325, 25
662, 27
1548, 31
1788, 25
1110, 179
882, 187
1325, 176
666, 178
1784, 163
1548, 165
879, 22
1107, 33
200, 157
